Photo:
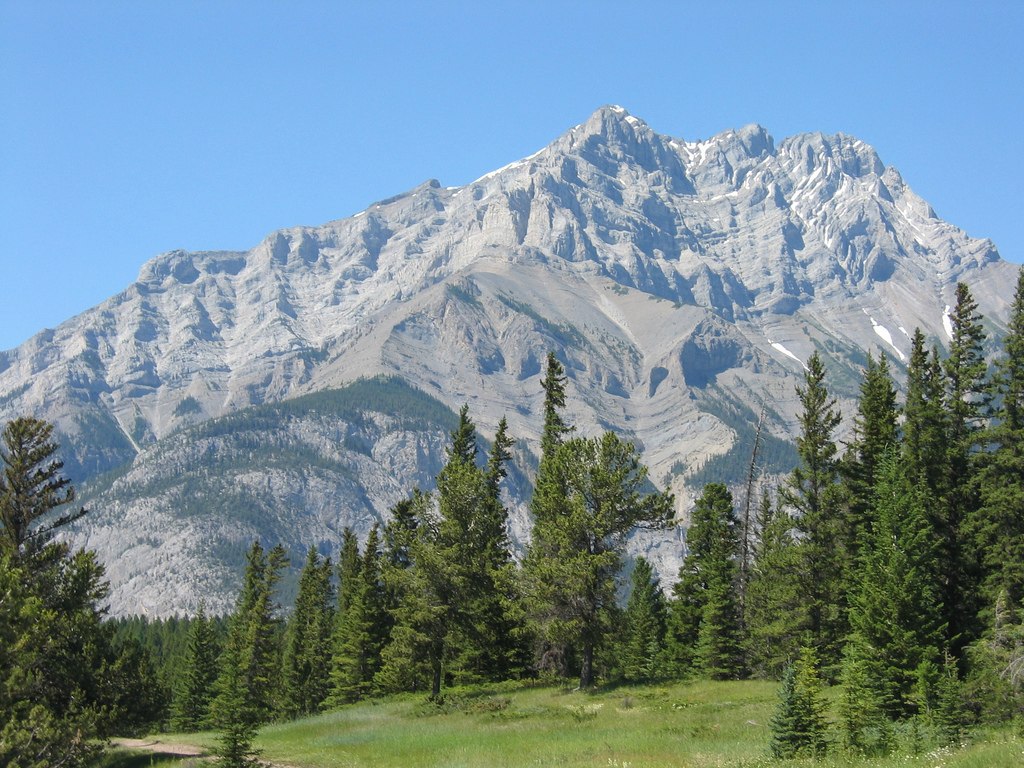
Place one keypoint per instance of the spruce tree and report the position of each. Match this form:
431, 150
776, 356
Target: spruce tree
190, 709
798, 726
863, 720
307, 650
348, 570
643, 626
811, 494
774, 619
496, 614
966, 404
360, 633
925, 426
997, 526
875, 431
250, 662
704, 616
896, 616
31, 486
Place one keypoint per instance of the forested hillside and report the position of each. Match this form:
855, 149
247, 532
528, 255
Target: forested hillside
891, 566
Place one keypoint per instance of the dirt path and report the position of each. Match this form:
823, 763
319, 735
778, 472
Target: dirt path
160, 747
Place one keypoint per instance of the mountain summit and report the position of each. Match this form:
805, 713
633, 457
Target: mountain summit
682, 283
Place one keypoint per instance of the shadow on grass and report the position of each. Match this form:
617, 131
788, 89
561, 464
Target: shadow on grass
146, 759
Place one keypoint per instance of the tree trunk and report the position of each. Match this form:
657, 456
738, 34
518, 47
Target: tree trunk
587, 667
435, 685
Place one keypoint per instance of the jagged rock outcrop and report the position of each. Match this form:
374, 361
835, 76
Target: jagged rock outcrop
671, 276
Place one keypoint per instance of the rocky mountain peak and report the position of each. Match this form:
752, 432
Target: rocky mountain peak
681, 282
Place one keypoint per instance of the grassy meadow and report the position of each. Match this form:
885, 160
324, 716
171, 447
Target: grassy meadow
696, 725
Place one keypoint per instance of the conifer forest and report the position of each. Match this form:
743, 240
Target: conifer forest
880, 584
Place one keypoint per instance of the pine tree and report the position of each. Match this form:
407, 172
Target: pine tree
307, 650
895, 612
966, 404
798, 726
192, 696
348, 570
811, 493
31, 486
644, 626
704, 618
496, 614
864, 723
361, 632
546, 503
413, 659
775, 622
576, 548
997, 527
925, 426
250, 662
875, 431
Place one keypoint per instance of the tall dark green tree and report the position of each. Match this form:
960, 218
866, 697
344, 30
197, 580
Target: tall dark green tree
306, 663
577, 545
643, 641
704, 616
895, 612
996, 528
32, 487
966, 403
494, 614
361, 631
775, 623
926, 423
58, 683
190, 710
249, 682
875, 431
49, 713
811, 494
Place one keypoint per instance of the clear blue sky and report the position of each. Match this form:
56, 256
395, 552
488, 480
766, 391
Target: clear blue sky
132, 128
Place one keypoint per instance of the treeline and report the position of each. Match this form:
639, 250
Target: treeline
892, 564
67, 680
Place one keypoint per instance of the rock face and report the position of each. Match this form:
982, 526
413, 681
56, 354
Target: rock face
681, 282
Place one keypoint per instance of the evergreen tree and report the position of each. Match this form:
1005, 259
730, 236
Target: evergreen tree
31, 485
997, 527
864, 723
348, 570
361, 632
925, 426
966, 404
644, 626
875, 431
404, 665
495, 614
192, 696
413, 659
248, 684
307, 652
895, 613
704, 619
798, 726
555, 427
576, 548
774, 596
811, 494
38, 727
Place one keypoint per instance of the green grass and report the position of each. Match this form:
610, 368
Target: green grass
698, 725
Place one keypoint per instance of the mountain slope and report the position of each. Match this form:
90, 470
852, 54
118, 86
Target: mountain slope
682, 283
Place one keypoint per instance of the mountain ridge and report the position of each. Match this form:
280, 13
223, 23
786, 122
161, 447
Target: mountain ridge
672, 277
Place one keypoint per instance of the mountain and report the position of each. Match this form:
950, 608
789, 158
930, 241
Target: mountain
681, 282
